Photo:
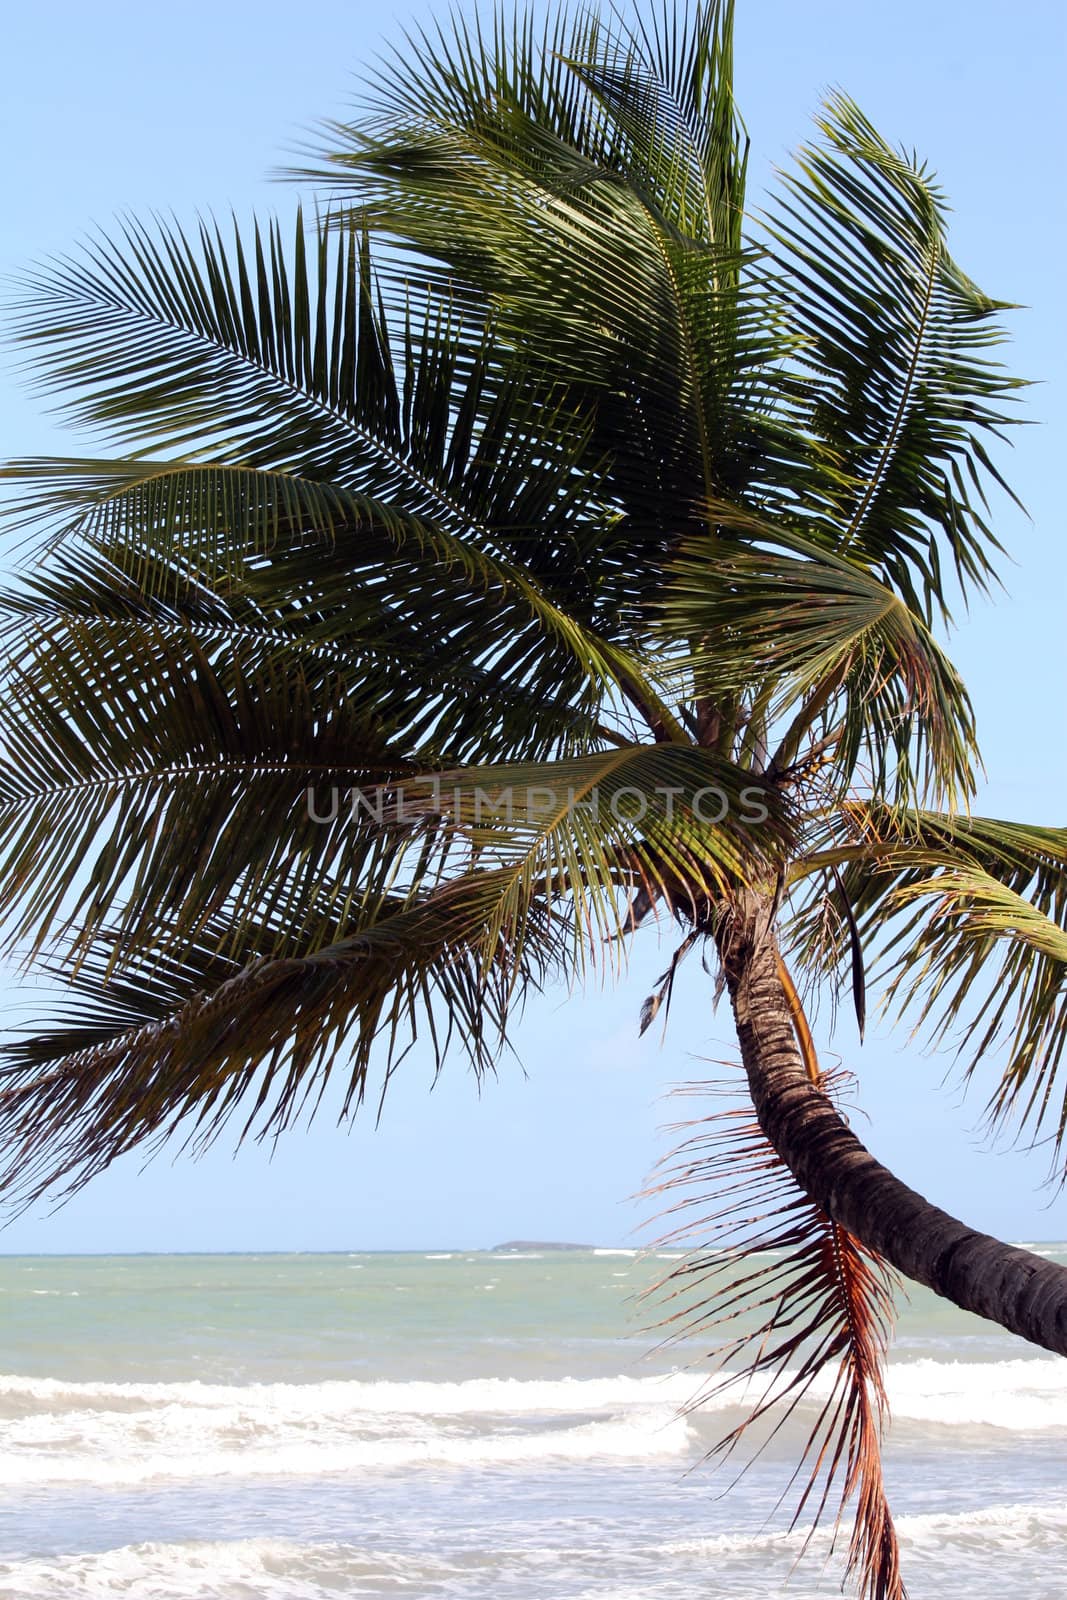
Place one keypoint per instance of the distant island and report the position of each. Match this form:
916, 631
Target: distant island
537, 1244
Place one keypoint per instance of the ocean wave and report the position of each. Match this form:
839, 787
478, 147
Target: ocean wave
961, 1542
125, 1433
949, 1536
1005, 1524
1027, 1523
195, 1568
1025, 1396
52, 1430
142, 1453
340, 1397
1022, 1394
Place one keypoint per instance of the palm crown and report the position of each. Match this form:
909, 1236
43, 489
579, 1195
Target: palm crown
532, 494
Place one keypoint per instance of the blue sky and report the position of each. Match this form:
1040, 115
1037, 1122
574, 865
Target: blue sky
188, 108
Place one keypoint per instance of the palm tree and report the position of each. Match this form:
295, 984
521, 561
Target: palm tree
536, 542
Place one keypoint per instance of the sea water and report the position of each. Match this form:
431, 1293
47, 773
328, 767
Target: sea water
463, 1424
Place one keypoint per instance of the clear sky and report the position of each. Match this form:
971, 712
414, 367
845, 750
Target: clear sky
112, 107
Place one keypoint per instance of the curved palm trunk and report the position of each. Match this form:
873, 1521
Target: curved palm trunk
1024, 1293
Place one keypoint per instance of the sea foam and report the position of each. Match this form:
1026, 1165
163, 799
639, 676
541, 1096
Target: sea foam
963, 1543
57, 1431
126, 1433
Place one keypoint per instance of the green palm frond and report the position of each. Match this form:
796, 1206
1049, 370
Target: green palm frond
184, 1045
168, 341
147, 768
987, 906
423, 450
985, 969
279, 357
677, 821
902, 395
667, 88
963, 920
842, 380
589, 189
473, 687
319, 562
824, 644
291, 970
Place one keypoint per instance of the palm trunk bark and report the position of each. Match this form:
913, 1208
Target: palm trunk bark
1022, 1292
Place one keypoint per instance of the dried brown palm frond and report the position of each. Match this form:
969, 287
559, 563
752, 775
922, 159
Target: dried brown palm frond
790, 1300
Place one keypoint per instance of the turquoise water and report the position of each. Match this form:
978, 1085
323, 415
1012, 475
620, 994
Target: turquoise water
464, 1425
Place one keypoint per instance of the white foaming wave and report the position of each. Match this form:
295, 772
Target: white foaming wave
121, 1433
195, 1568
181, 1449
1025, 1395
1019, 1396
1013, 1522
287, 1569
341, 1397
1002, 1524
1022, 1395
57, 1431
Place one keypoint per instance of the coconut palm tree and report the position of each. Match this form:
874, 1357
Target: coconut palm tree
537, 542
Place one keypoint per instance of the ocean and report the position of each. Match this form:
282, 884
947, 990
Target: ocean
461, 1424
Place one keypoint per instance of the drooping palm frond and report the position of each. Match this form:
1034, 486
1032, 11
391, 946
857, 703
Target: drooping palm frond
147, 770
675, 820
207, 630
436, 895
367, 632
796, 1307
316, 566
972, 919
963, 920
824, 644
183, 1045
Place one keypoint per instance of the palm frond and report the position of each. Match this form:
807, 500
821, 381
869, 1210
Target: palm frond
962, 921
167, 340
795, 1306
676, 820
316, 562
829, 645
902, 396
983, 967
587, 184
184, 1045
278, 356
145, 768
440, 895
